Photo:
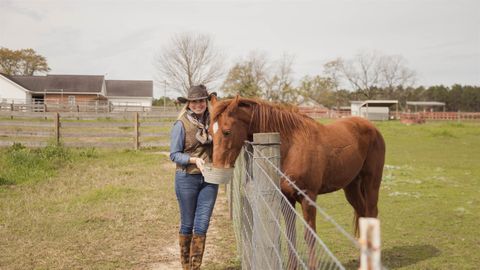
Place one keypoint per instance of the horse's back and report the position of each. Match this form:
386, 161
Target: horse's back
348, 143
359, 128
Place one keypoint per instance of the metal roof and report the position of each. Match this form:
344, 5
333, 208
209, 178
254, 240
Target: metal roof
425, 103
61, 83
125, 88
375, 103
84, 84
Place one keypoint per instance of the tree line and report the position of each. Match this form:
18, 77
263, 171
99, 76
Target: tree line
191, 59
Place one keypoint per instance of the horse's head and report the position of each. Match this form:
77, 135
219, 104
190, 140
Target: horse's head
231, 123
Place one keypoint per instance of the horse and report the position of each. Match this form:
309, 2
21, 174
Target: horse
347, 154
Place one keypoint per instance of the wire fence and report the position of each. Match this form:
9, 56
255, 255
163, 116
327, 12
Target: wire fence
270, 232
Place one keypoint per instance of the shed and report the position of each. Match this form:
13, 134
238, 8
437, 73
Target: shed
425, 105
373, 109
129, 93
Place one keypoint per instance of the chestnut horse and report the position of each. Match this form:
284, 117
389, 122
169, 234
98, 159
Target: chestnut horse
348, 154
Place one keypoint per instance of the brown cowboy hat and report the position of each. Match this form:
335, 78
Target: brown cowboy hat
196, 92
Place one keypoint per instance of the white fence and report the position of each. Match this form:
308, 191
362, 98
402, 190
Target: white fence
270, 233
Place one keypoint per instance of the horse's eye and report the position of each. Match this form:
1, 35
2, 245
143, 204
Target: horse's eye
227, 132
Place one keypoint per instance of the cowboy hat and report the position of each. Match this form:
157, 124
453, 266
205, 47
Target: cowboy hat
196, 92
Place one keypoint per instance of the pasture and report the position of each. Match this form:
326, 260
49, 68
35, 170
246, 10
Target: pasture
111, 209
96, 209
429, 204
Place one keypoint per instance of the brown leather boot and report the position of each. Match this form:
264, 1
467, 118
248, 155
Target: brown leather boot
184, 240
196, 251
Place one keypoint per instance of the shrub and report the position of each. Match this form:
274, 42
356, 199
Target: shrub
20, 164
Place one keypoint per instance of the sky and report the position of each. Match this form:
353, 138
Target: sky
440, 40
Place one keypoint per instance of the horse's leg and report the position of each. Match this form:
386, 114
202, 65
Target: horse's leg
290, 219
371, 174
356, 198
310, 214
362, 193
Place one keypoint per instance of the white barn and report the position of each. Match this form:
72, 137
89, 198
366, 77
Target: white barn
128, 93
12, 92
124, 95
373, 109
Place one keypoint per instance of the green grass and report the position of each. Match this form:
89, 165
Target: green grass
19, 164
429, 203
96, 209
106, 209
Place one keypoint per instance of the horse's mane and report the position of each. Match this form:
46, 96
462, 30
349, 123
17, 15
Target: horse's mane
268, 116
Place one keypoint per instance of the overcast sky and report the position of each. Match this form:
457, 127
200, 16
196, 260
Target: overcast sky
439, 39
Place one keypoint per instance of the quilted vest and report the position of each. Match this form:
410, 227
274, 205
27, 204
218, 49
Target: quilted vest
193, 147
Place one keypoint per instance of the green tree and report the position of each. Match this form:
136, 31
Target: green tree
159, 101
470, 99
257, 76
22, 62
319, 89
436, 93
455, 98
244, 79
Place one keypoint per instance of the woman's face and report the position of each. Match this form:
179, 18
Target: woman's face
198, 106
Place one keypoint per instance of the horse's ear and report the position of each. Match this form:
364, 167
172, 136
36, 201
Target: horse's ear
233, 104
213, 98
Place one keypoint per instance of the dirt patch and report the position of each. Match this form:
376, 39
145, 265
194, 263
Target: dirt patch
170, 258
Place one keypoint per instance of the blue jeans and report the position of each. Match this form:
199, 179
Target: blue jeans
196, 199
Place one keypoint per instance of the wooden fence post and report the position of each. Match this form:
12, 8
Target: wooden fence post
266, 208
136, 131
57, 127
370, 244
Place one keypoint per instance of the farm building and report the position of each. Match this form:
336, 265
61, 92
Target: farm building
57, 89
74, 90
373, 109
121, 93
11, 91
424, 105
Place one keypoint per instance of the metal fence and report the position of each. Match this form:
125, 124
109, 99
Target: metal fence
270, 233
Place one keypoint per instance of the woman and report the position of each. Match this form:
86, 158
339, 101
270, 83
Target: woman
190, 148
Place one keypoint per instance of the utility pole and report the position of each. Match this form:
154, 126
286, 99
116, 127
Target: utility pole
165, 96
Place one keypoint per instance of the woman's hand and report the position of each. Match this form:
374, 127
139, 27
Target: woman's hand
199, 162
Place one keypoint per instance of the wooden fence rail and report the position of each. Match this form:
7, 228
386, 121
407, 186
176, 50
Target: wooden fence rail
128, 130
81, 107
441, 115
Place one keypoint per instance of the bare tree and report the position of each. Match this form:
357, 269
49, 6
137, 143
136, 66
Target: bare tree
362, 72
369, 70
189, 59
333, 73
279, 83
395, 73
